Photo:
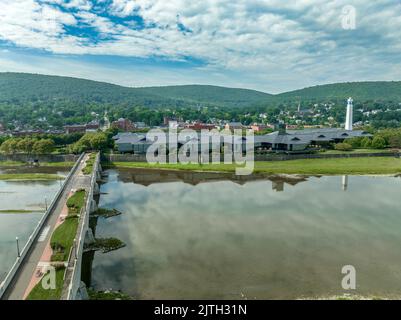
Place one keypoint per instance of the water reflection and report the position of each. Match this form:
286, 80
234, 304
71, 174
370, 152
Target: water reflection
230, 240
30, 196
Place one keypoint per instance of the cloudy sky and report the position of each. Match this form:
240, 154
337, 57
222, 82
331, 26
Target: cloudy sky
268, 45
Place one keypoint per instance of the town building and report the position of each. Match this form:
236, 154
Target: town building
200, 126
92, 126
260, 127
282, 140
123, 124
234, 126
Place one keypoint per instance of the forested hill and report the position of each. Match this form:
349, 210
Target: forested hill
362, 91
23, 88
210, 95
40, 101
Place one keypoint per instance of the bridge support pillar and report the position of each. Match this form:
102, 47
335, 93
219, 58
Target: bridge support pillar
96, 190
93, 206
82, 293
98, 176
89, 237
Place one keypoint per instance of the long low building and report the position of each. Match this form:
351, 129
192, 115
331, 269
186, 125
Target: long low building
301, 140
279, 141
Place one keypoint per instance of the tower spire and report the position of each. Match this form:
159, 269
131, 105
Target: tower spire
350, 115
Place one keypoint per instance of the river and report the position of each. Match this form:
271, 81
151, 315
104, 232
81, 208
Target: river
211, 236
29, 196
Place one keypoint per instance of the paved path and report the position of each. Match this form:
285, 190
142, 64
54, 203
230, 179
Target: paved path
17, 289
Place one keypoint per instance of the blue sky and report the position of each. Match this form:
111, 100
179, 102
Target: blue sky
267, 45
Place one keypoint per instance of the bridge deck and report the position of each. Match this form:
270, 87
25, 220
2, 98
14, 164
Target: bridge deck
22, 279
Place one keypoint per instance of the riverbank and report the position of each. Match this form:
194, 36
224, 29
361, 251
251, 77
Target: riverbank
342, 166
29, 177
65, 164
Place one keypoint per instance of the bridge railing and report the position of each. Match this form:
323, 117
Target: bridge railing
75, 280
11, 274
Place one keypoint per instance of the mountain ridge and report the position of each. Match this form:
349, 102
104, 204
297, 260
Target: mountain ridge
20, 88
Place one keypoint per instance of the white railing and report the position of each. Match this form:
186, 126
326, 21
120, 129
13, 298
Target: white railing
75, 281
11, 274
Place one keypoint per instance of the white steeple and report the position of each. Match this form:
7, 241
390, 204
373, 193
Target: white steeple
350, 115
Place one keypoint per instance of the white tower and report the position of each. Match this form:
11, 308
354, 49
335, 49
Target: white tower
350, 115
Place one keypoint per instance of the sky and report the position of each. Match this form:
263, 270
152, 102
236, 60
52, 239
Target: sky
267, 45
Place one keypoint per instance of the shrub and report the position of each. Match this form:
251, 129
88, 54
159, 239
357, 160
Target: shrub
343, 147
378, 143
354, 142
366, 143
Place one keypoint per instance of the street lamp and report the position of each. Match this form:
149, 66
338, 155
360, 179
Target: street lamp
19, 255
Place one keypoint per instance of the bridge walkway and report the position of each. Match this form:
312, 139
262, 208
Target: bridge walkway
17, 288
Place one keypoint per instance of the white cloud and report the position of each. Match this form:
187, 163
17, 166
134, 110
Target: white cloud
271, 39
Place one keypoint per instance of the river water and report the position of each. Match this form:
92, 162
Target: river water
30, 196
210, 236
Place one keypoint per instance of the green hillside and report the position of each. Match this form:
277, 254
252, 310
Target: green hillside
27, 88
210, 95
362, 91
40, 101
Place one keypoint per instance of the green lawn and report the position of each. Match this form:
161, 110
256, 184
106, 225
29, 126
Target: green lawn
358, 151
76, 202
30, 176
39, 293
63, 239
89, 164
368, 165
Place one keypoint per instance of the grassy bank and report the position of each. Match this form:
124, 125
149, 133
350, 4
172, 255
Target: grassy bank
19, 211
41, 164
368, 165
30, 176
356, 151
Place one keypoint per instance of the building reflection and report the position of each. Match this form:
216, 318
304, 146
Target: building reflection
345, 183
148, 177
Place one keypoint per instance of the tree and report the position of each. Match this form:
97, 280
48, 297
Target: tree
366, 143
395, 141
378, 143
90, 141
43, 146
10, 146
354, 142
26, 145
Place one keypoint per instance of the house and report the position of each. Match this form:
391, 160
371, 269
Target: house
82, 128
140, 125
200, 126
123, 124
234, 126
259, 127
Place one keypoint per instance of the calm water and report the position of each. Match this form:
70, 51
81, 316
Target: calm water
257, 239
28, 196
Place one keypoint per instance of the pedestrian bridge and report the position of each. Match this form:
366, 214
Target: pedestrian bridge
23, 275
